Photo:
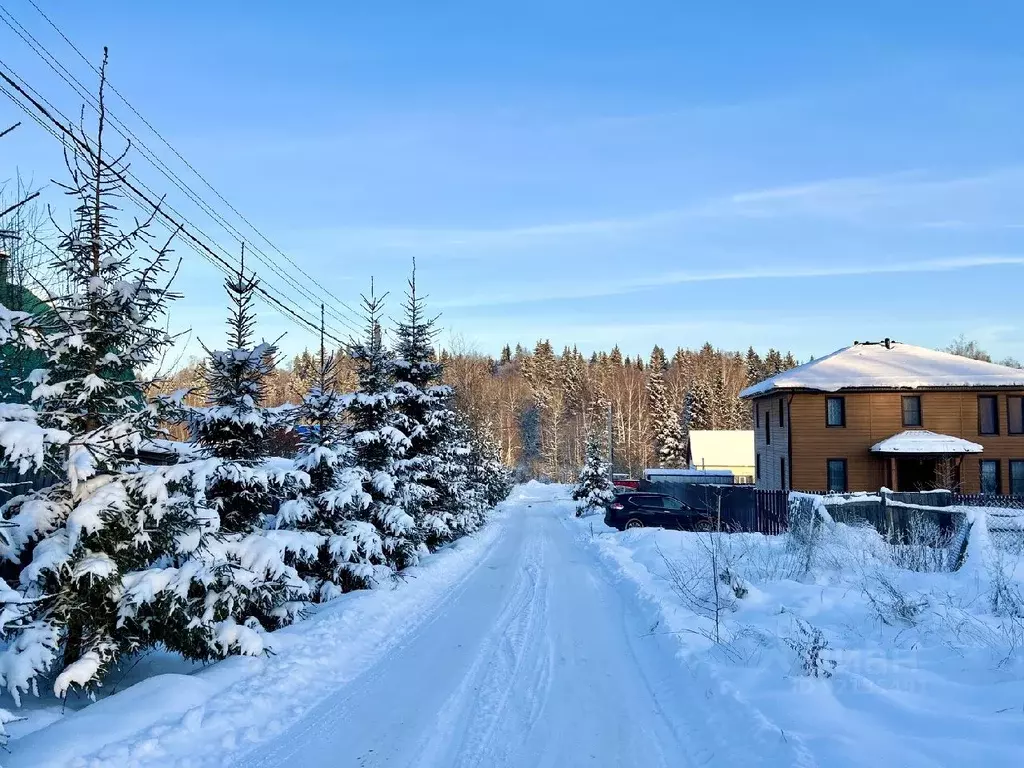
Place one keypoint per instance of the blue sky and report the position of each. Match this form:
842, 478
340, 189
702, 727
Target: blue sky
777, 174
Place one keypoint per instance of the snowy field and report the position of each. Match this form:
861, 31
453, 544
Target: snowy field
547, 640
851, 661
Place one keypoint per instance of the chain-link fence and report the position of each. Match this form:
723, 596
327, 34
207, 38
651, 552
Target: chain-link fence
1005, 519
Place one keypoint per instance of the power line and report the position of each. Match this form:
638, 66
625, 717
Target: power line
188, 165
224, 259
40, 50
82, 92
194, 243
62, 133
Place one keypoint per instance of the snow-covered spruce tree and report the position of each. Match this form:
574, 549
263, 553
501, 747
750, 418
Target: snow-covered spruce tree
78, 547
667, 428
350, 549
495, 477
378, 442
428, 468
594, 489
258, 582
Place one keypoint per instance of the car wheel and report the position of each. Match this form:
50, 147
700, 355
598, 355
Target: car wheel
704, 526
634, 523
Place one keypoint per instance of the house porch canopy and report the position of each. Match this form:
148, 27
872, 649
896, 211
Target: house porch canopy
922, 442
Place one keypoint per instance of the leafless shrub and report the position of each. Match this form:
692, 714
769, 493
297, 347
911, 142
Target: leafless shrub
947, 474
807, 530
702, 582
1004, 594
893, 606
812, 650
758, 558
923, 546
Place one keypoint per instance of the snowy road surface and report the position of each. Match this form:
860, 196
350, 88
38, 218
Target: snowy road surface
537, 659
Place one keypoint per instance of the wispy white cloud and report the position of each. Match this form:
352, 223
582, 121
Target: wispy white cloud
907, 200
542, 292
912, 198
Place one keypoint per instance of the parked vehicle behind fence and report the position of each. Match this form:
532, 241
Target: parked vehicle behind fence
654, 510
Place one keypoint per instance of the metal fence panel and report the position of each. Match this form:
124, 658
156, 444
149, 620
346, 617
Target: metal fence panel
742, 507
13, 483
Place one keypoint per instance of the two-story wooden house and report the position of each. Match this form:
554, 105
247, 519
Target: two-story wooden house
892, 415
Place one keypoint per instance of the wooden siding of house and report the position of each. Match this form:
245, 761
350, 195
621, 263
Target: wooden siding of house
771, 456
874, 416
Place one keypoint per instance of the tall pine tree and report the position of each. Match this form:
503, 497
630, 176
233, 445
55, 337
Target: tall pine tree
667, 429
378, 442
350, 550
427, 418
93, 554
233, 430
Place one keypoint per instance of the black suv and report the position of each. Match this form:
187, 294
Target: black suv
635, 509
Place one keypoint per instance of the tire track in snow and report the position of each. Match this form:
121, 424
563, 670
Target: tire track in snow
480, 704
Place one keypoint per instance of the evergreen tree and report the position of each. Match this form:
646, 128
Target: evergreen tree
541, 372
427, 418
233, 431
304, 372
698, 406
93, 554
349, 552
235, 425
669, 442
594, 488
723, 408
773, 363
754, 367
378, 442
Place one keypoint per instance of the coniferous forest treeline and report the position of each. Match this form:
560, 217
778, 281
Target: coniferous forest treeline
539, 406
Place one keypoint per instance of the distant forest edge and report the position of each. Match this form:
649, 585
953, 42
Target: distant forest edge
540, 406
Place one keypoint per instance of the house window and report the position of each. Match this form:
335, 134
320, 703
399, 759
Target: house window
837, 476
835, 411
782, 412
990, 476
911, 411
1017, 477
1015, 416
782, 472
768, 428
988, 415
757, 468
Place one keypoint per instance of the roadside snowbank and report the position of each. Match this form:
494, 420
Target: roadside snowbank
913, 668
203, 717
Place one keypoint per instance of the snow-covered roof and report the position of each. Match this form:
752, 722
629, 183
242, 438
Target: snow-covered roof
921, 441
892, 365
649, 473
721, 448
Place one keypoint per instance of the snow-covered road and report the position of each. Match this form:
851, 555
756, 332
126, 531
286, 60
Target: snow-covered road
536, 659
